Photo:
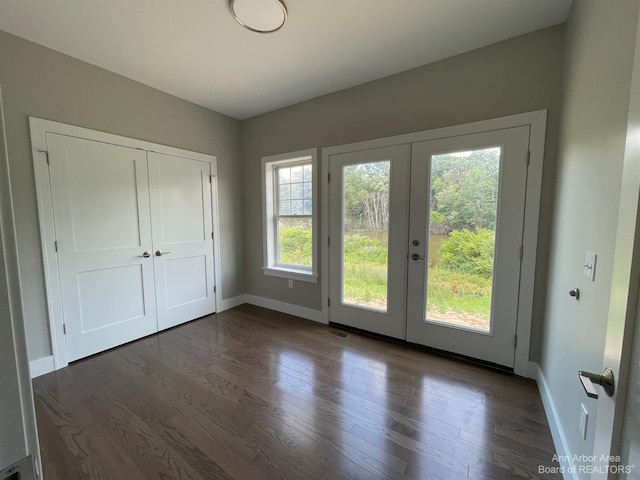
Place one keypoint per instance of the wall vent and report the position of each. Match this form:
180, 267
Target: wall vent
330, 331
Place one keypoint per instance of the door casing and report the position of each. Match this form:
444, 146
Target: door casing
537, 123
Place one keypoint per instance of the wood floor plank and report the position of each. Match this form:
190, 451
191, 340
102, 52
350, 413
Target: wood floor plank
251, 393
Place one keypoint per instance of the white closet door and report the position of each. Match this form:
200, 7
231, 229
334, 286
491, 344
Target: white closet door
180, 193
101, 203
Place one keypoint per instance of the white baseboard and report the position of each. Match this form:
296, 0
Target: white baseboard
228, 303
283, 307
40, 366
559, 440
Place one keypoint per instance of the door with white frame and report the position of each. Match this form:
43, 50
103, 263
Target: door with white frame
103, 235
128, 237
368, 229
180, 193
426, 241
465, 237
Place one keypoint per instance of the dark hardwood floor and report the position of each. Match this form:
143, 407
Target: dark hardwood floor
255, 394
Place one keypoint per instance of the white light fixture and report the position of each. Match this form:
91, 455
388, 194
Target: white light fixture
261, 16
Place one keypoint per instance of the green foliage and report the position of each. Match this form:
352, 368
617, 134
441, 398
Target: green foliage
469, 252
465, 189
366, 196
437, 218
452, 292
365, 270
363, 249
295, 245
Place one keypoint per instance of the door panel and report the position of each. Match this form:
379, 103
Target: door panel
464, 298
101, 292
368, 201
180, 193
101, 204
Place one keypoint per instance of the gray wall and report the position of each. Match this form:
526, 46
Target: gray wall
40, 82
597, 81
519, 75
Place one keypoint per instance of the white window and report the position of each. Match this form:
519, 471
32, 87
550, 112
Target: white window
289, 209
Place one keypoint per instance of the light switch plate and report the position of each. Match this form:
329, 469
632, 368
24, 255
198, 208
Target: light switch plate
590, 266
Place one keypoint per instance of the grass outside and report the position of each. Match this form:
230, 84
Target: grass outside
453, 297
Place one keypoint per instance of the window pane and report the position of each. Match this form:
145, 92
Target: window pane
284, 175
366, 235
295, 241
307, 173
464, 201
285, 207
307, 190
296, 174
307, 207
297, 207
285, 192
296, 190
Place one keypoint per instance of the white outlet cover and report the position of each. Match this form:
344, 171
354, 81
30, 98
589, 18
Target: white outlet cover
590, 266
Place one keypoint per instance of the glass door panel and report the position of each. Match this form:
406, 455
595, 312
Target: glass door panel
369, 201
463, 208
466, 218
365, 254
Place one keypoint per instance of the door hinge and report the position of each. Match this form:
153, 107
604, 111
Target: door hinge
55, 244
328, 241
515, 341
214, 289
328, 178
521, 252
211, 235
64, 328
46, 155
528, 157
328, 302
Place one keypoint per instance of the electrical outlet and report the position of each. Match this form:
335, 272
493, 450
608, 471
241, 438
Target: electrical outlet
584, 420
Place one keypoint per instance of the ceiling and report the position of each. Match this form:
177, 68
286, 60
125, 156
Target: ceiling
195, 50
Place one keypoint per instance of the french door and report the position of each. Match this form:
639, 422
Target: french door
426, 241
368, 258
134, 244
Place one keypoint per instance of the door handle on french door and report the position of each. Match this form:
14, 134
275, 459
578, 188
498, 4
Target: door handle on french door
605, 380
159, 253
145, 255
415, 256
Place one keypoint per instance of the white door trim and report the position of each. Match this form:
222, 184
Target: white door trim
537, 122
16, 397
39, 129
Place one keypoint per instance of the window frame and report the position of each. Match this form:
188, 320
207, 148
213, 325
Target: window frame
270, 216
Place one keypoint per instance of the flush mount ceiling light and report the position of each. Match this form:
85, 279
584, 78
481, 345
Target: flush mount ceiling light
261, 16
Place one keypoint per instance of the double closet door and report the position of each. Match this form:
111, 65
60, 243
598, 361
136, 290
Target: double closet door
426, 241
134, 241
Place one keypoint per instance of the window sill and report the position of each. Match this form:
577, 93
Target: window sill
291, 273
